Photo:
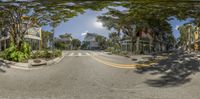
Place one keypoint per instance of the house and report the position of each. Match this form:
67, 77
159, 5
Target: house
90, 41
33, 37
144, 43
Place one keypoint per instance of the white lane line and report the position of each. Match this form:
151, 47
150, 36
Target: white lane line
87, 54
71, 54
79, 54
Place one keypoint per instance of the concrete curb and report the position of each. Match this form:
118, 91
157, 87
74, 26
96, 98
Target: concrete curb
56, 60
27, 66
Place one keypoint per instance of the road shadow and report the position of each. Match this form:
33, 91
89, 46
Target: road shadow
172, 71
3, 65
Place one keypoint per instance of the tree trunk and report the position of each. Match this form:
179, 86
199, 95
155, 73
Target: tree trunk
0, 45
163, 47
132, 44
4, 44
137, 44
159, 47
118, 41
150, 43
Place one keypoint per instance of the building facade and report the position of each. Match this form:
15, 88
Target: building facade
90, 40
33, 37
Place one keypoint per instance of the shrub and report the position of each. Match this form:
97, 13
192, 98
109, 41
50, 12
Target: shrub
1, 54
35, 55
57, 53
13, 54
124, 53
46, 54
116, 50
41, 54
110, 49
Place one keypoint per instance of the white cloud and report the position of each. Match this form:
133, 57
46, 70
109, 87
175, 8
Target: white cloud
98, 24
177, 26
84, 33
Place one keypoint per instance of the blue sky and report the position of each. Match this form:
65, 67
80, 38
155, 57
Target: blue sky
81, 24
87, 22
175, 24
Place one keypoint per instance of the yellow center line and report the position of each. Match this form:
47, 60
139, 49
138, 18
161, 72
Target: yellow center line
121, 65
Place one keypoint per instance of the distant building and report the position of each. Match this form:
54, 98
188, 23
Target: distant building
66, 41
90, 41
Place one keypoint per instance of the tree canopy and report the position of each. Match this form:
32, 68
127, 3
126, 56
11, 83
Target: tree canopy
50, 12
148, 15
147, 12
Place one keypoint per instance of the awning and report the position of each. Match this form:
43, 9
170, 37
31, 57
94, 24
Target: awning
32, 37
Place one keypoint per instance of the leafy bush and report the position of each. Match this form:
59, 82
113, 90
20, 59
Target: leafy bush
1, 54
57, 53
46, 54
115, 50
110, 49
124, 53
41, 54
35, 55
13, 54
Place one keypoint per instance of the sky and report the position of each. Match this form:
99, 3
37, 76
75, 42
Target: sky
175, 24
78, 26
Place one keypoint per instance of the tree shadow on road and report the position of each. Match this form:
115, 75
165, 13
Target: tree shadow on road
173, 71
3, 65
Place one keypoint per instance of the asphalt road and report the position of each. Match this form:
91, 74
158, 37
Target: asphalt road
80, 76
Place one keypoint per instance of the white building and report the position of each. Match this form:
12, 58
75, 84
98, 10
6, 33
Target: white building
91, 42
33, 37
